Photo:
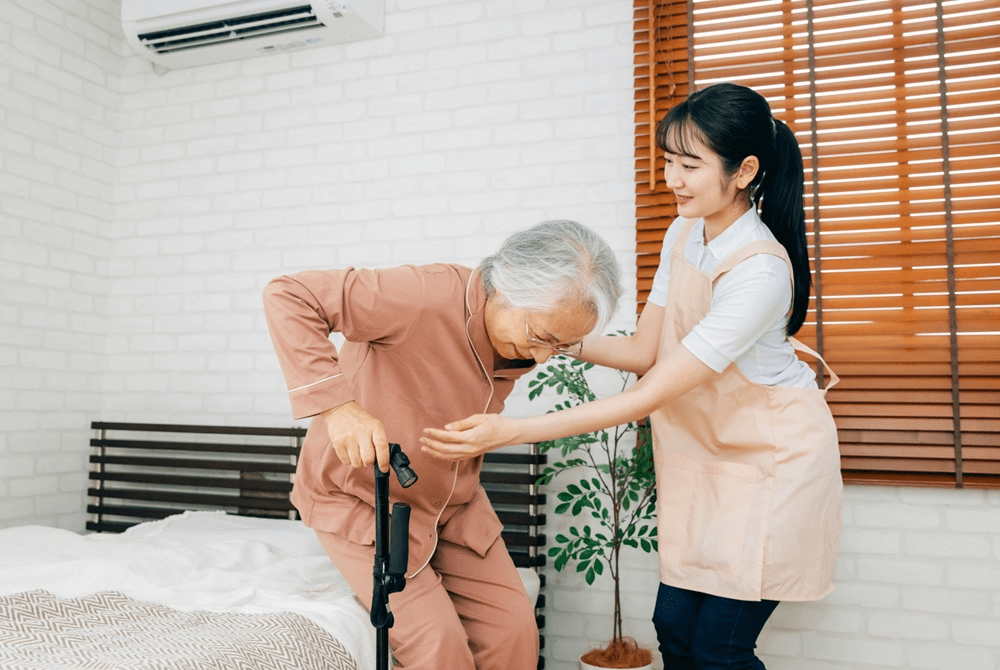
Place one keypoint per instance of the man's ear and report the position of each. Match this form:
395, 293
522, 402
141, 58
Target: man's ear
747, 171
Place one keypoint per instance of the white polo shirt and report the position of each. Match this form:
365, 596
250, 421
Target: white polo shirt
746, 323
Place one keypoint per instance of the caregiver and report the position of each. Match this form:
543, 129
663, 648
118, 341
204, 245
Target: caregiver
745, 448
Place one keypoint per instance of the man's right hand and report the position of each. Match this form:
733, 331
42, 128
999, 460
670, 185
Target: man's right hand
358, 437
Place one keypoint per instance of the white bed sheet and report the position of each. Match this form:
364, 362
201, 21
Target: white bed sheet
209, 561
195, 561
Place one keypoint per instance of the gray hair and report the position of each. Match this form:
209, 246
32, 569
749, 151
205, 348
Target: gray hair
552, 262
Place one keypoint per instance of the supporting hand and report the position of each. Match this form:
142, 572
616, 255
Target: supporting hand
471, 437
358, 437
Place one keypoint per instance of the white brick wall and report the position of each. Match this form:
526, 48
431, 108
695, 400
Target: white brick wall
59, 73
142, 214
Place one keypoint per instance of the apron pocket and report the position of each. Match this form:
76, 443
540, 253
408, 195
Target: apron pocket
709, 515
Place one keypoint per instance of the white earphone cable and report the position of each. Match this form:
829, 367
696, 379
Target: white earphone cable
454, 481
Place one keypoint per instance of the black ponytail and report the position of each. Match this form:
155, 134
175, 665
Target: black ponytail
779, 201
735, 122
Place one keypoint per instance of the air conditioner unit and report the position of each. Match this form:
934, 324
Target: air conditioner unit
185, 33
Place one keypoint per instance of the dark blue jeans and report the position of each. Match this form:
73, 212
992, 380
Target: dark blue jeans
697, 631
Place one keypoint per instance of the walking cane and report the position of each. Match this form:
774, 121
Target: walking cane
389, 572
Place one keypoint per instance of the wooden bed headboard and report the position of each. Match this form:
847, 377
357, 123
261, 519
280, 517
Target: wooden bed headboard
148, 471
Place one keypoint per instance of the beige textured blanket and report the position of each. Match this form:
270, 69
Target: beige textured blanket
109, 631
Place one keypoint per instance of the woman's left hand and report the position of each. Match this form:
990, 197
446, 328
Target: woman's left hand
470, 437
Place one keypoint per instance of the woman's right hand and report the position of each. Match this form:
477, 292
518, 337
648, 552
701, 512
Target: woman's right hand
470, 437
358, 437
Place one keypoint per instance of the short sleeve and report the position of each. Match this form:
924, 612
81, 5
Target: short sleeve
661, 280
749, 301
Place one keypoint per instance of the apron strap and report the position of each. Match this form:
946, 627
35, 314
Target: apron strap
798, 346
681, 242
774, 249
745, 252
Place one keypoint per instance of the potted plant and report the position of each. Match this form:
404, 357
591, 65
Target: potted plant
613, 496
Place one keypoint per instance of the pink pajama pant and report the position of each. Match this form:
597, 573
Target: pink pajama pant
461, 612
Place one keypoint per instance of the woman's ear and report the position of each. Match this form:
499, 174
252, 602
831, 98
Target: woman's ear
747, 171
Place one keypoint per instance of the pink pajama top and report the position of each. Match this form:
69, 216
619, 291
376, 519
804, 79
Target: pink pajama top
416, 355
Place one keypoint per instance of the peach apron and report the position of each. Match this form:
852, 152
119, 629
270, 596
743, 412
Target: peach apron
748, 476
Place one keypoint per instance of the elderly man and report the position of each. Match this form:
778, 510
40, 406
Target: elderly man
425, 346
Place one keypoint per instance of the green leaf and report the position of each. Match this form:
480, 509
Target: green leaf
627, 471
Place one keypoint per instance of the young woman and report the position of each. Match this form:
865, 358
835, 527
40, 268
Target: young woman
747, 460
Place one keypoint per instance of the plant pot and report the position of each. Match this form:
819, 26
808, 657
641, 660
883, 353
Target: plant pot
620, 653
587, 666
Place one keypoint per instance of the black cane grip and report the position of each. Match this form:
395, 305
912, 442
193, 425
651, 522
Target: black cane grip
400, 546
401, 466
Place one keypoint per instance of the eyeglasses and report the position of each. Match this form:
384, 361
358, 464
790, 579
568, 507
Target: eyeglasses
565, 350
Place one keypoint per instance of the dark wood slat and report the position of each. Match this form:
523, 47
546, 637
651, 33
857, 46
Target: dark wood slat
132, 511
241, 483
498, 477
173, 445
515, 459
523, 539
208, 430
204, 499
520, 518
515, 498
527, 560
109, 526
194, 463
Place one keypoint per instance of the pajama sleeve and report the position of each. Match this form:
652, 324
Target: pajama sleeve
303, 309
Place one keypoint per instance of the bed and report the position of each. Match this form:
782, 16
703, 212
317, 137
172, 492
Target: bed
196, 559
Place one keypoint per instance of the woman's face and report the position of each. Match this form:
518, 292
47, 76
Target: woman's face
518, 333
702, 187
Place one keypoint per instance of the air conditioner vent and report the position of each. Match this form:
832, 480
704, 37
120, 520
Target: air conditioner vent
231, 30
188, 33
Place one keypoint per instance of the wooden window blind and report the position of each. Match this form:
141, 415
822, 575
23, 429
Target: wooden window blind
896, 106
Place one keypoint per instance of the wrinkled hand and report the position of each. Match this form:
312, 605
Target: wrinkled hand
358, 437
470, 437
